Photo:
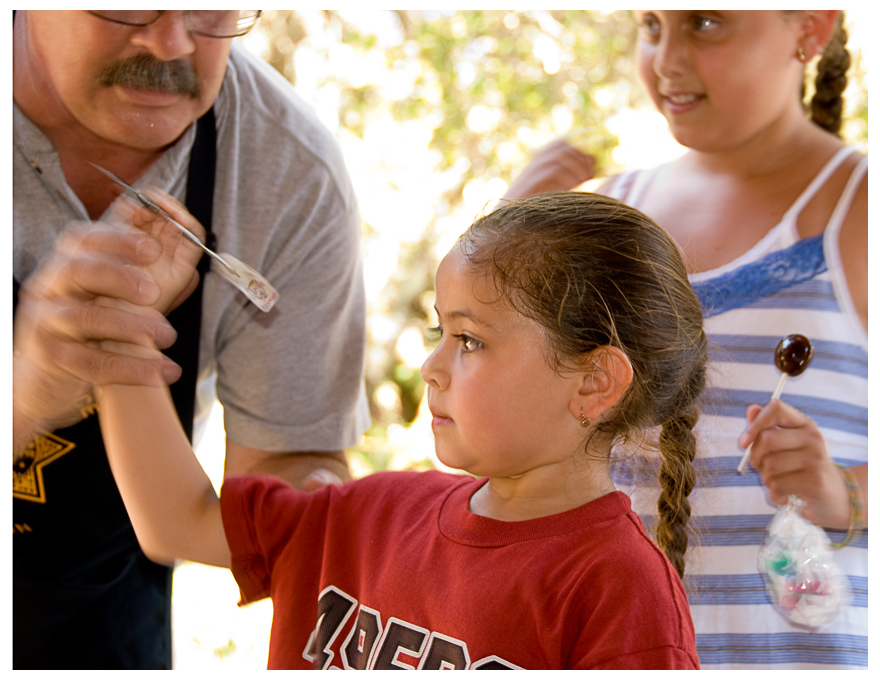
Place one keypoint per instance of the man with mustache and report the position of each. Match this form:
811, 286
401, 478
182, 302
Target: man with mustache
163, 99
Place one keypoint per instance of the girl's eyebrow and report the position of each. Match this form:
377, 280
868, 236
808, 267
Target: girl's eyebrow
463, 314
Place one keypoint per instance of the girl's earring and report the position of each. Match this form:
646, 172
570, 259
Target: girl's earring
801, 55
585, 422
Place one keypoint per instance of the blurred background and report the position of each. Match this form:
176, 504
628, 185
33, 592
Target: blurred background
436, 112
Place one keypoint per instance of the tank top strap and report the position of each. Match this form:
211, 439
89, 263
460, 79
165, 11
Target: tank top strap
629, 185
818, 181
846, 198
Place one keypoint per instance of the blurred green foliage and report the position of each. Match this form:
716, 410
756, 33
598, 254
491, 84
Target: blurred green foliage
494, 86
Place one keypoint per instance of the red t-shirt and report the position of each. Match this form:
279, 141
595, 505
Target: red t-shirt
394, 571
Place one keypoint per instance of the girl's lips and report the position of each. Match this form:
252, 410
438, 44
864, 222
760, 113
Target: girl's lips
681, 103
439, 421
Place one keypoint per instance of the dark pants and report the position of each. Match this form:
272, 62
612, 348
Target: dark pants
111, 614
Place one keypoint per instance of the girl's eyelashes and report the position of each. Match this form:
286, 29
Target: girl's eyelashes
468, 343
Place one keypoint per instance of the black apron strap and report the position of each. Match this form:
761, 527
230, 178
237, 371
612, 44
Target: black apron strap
187, 318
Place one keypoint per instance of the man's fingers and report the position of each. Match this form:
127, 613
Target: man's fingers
100, 366
110, 319
98, 263
91, 277
97, 239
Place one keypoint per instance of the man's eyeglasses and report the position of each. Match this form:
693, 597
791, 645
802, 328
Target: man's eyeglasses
208, 23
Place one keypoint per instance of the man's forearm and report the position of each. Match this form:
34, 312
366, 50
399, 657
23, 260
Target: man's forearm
294, 467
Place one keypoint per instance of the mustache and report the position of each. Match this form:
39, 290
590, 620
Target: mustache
145, 72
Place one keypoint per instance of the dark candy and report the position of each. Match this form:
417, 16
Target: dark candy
793, 354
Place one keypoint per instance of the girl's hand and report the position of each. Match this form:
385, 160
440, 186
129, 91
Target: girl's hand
174, 271
790, 454
557, 167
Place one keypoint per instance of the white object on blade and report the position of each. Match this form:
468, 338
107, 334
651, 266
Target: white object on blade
248, 281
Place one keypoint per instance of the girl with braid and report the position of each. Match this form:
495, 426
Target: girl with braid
770, 208
567, 326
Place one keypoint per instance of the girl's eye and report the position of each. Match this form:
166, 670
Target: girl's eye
469, 344
700, 24
649, 26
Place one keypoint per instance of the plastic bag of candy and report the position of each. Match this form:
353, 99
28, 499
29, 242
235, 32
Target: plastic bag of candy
799, 571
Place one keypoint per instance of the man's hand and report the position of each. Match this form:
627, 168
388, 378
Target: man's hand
557, 167
61, 318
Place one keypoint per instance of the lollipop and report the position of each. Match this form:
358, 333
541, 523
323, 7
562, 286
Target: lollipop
793, 355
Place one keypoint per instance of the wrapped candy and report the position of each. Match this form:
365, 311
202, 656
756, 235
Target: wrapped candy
800, 574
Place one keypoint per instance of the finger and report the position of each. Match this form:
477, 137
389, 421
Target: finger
131, 247
114, 319
801, 483
177, 210
100, 263
782, 450
775, 414
102, 366
752, 412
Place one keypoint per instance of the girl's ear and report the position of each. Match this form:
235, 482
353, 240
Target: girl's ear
818, 27
604, 382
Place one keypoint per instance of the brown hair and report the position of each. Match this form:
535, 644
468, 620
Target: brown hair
595, 272
826, 105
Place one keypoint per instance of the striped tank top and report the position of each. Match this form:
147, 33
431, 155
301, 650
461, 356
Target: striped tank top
783, 285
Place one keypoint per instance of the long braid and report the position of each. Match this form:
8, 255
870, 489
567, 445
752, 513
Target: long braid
677, 477
826, 106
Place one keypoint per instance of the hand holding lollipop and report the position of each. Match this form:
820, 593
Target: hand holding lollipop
793, 355
799, 572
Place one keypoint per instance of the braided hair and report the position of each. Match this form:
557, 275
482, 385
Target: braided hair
826, 105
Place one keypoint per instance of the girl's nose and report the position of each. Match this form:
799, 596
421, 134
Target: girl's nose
670, 55
432, 370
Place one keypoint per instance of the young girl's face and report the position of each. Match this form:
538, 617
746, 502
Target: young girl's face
721, 78
499, 409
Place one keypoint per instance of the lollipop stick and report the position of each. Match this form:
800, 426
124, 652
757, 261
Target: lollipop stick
779, 387
741, 468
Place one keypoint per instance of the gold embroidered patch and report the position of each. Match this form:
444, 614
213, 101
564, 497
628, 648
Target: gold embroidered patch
27, 468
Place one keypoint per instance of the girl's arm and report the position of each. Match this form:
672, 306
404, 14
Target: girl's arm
172, 504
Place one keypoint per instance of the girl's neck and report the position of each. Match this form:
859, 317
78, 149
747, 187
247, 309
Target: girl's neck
543, 492
776, 149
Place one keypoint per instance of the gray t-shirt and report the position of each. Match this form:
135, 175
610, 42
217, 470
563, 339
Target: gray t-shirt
291, 379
